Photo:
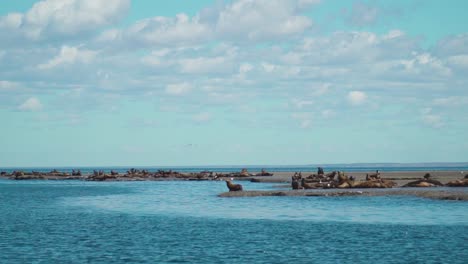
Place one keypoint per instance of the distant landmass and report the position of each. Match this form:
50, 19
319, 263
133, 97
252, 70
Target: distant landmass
421, 164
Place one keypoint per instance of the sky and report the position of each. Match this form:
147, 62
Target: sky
241, 82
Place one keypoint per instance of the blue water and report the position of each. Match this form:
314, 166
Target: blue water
185, 222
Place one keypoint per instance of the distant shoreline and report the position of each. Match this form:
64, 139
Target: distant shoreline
352, 168
400, 177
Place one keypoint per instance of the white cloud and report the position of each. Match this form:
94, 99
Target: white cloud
245, 68
307, 3
328, 113
158, 58
262, 19
69, 55
177, 53
11, 21
241, 20
459, 60
51, 18
178, 88
32, 104
177, 31
304, 118
204, 65
451, 101
452, 45
202, 117
393, 34
342, 49
357, 97
8, 86
298, 103
268, 67
306, 123
431, 119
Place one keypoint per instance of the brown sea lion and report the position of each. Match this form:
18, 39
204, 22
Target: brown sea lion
458, 183
423, 183
306, 185
294, 183
342, 178
331, 176
233, 187
264, 173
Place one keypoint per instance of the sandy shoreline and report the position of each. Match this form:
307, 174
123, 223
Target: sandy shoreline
458, 194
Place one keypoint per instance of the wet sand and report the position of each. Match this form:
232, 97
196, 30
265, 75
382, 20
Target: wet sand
440, 193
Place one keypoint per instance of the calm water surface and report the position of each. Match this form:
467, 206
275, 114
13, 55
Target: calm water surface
185, 222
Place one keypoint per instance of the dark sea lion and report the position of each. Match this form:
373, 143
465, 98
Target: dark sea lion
233, 187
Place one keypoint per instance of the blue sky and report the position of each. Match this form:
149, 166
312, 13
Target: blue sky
242, 82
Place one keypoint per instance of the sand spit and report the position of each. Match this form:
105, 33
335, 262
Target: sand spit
432, 193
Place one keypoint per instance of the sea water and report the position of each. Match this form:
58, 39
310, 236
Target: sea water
186, 222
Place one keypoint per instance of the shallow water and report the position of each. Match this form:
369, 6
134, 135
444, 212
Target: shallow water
164, 222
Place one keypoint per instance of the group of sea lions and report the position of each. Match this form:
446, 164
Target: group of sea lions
426, 181
243, 173
131, 174
136, 174
337, 179
36, 175
101, 175
341, 180
459, 183
334, 179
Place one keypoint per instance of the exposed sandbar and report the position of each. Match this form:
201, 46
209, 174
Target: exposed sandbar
434, 193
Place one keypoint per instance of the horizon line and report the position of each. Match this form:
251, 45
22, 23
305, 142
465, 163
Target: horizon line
463, 163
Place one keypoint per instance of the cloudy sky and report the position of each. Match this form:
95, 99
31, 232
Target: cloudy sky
206, 82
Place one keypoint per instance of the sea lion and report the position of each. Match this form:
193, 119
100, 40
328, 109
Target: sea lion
233, 187
295, 183
423, 183
458, 183
305, 185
